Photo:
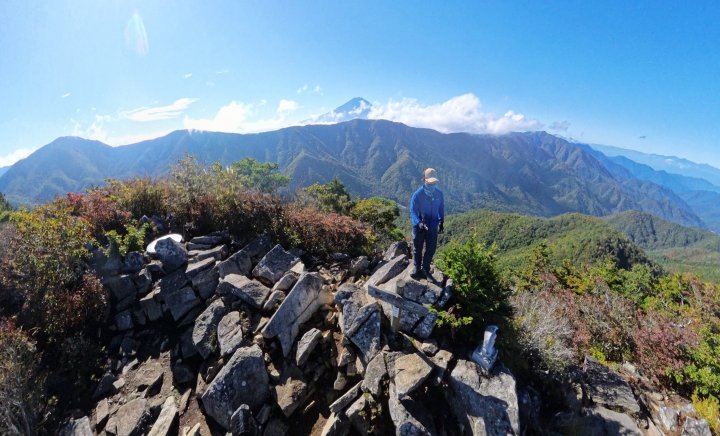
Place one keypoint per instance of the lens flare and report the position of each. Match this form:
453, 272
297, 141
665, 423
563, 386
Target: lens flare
135, 35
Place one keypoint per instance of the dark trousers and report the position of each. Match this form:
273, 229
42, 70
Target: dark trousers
428, 239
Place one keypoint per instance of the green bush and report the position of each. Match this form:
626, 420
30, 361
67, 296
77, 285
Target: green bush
328, 197
20, 386
132, 240
45, 269
476, 284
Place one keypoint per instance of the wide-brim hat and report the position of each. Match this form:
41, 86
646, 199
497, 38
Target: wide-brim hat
430, 176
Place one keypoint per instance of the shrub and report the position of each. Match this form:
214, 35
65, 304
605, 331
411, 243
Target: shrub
98, 209
261, 176
380, 214
702, 373
20, 385
45, 268
709, 409
543, 331
662, 346
140, 196
610, 320
133, 239
476, 283
325, 233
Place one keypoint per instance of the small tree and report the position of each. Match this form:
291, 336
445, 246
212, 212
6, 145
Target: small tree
262, 176
330, 197
380, 214
476, 283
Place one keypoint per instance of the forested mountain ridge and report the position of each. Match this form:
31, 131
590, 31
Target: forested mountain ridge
533, 173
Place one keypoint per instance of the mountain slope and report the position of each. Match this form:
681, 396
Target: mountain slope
533, 173
671, 164
580, 238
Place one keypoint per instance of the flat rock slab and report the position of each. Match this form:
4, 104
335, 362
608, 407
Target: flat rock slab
608, 389
411, 371
347, 398
249, 291
206, 282
388, 271
181, 301
306, 345
131, 417
484, 405
167, 420
274, 265
365, 331
243, 380
217, 253
291, 391
196, 268
149, 375
230, 334
375, 373
302, 301
238, 263
204, 334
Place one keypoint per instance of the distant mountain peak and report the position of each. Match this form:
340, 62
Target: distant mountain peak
356, 108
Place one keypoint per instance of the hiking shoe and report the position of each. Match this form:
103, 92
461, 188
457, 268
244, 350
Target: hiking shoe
417, 274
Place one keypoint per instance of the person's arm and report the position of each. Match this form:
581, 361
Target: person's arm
414, 209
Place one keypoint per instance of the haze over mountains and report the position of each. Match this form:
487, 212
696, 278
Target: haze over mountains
533, 173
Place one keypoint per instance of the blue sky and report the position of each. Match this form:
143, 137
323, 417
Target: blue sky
640, 75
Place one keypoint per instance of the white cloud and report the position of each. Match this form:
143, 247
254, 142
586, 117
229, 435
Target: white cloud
136, 36
302, 89
458, 114
306, 88
66, 95
187, 75
238, 117
223, 71
14, 156
560, 125
317, 89
160, 112
287, 106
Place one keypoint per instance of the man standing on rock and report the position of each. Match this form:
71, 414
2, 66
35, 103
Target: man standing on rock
427, 210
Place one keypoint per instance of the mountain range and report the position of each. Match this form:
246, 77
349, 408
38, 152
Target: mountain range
533, 172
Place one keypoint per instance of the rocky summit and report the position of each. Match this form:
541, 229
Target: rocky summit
255, 339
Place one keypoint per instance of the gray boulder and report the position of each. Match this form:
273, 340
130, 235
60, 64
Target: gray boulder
609, 389
365, 332
306, 345
206, 282
179, 302
143, 281
335, 425
258, 247
150, 306
199, 266
386, 272
286, 282
274, 265
359, 265
696, 427
123, 320
121, 287
357, 414
375, 373
77, 427
204, 334
238, 263
483, 405
397, 248
217, 253
242, 422
148, 376
300, 304
409, 416
275, 298
171, 283
243, 380
166, 423
249, 291
171, 253
292, 391
350, 297
230, 334
131, 418
411, 371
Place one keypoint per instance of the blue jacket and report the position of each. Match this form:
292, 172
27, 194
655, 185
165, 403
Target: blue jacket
429, 209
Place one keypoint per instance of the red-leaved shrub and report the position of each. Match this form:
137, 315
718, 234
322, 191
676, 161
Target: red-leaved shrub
325, 233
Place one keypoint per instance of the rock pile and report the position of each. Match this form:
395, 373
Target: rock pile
213, 338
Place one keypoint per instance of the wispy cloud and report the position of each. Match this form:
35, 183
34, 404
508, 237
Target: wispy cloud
317, 89
560, 125
136, 36
170, 111
223, 71
66, 95
98, 130
458, 114
187, 75
14, 156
